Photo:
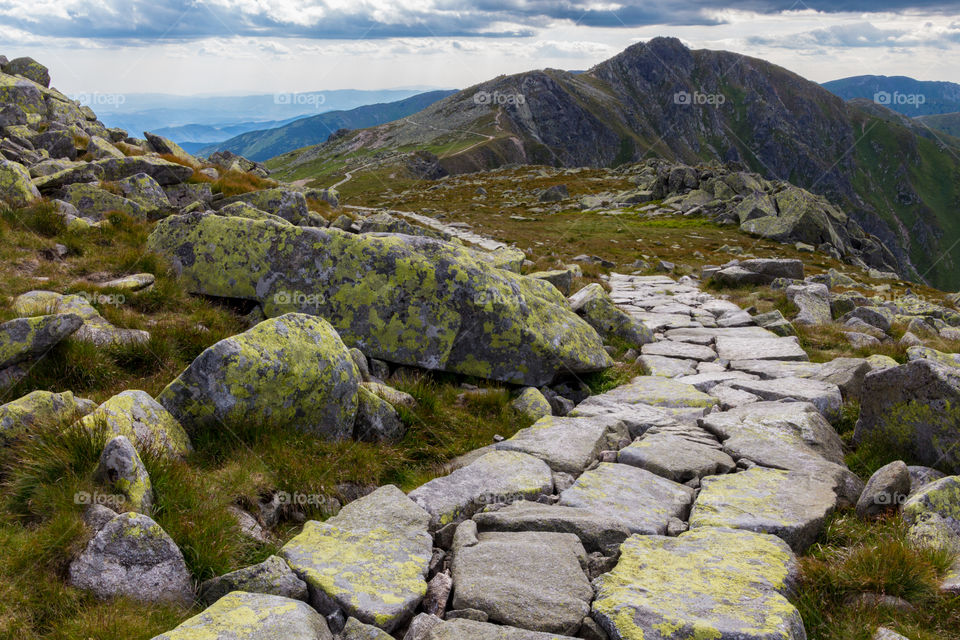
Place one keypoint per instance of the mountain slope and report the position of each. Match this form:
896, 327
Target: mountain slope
904, 95
948, 123
266, 143
660, 99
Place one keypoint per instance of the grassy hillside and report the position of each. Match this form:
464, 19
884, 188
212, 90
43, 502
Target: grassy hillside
948, 123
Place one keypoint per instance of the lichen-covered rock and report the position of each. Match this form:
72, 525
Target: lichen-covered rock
253, 616
95, 327
532, 404
597, 532
132, 556
163, 171
292, 370
940, 499
792, 436
16, 188
643, 501
709, 583
272, 576
921, 476
356, 630
404, 299
135, 282
100, 149
28, 68
914, 408
531, 580
165, 146
145, 191
926, 353
826, 397
285, 203
499, 477
95, 203
791, 505
465, 629
562, 279
599, 310
40, 407
568, 445
121, 468
141, 419
244, 210
376, 418
26, 339
813, 300
70, 174
886, 489
676, 458
393, 396
371, 559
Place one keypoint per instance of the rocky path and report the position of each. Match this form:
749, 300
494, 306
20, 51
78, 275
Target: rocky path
671, 507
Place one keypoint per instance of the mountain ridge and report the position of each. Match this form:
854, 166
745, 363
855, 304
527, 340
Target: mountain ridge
653, 100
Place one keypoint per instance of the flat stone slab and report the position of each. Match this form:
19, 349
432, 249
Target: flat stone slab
653, 391
707, 583
644, 501
788, 504
706, 381
530, 580
597, 532
371, 559
772, 369
731, 349
253, 616
499, 477
676, 458
637, 417
567, 444
667, 367
463, 629
685, 350
661, 321
793, 436
825, 396
745, 333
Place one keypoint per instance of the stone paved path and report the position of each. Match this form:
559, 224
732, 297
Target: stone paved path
671, 507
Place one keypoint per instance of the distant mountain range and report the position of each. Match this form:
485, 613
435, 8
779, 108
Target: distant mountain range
186, 116
661, 99
269, 142
899, 93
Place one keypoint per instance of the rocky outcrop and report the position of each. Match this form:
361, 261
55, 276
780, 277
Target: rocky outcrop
408, 300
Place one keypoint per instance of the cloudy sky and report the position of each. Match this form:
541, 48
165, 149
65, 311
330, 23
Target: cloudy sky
263, 46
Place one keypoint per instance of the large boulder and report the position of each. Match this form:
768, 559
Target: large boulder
404, 299
16, 188
95, 203
293, 370
163, 171
370, 560
132, 556
28, 68
138, 417
39, 408
253, 616
708, 583
95, 328
122, 469
599, 310
913, 408
285, 203
29, 338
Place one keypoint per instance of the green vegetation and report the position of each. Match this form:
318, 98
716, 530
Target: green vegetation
854, 557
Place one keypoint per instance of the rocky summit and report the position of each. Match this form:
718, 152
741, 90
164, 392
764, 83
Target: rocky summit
662, 399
